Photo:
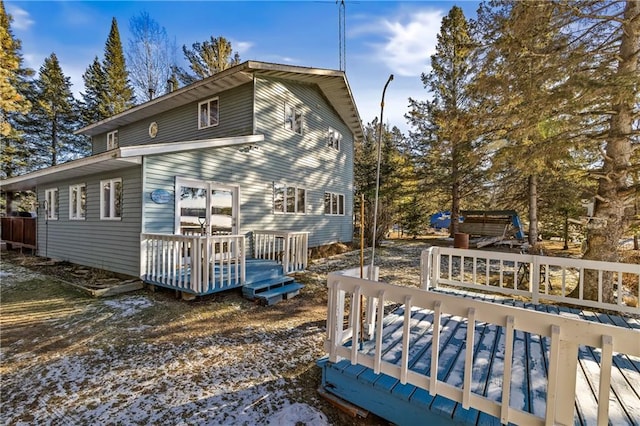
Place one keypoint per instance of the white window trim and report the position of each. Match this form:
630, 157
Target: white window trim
331, 212
294, 109
112, 140
208, 185
284, 201
78, 188
51, 197
208, 102
330, 139
112, 199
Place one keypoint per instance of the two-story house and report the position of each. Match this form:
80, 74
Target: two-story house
253, 162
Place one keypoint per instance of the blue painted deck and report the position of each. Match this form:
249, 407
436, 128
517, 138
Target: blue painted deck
264, 279
405, 404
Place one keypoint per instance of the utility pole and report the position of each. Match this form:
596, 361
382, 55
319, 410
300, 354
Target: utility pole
341, 35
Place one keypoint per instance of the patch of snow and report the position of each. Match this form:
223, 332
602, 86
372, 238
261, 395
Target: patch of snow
129, 306
296, 414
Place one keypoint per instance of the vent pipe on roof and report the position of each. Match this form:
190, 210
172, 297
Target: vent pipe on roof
169, 86
151, 93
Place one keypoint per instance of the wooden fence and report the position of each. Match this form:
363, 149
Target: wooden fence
19, 232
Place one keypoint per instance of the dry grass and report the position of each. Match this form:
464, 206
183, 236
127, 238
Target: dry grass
44, 321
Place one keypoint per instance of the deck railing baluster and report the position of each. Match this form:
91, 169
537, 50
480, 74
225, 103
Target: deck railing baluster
606, 359
506, 374
354, 317
468, 361
406, 334
435, 348
379, 330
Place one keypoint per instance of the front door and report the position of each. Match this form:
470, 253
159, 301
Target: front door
206, 208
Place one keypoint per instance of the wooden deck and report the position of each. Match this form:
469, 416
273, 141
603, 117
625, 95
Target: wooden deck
405, 403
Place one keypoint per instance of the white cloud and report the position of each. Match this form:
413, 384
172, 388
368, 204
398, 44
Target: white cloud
242, 47
408, 40
21, 18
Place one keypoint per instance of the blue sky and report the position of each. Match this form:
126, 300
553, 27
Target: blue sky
382, 37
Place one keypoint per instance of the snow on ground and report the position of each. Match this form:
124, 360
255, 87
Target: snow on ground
130, 305
127, 378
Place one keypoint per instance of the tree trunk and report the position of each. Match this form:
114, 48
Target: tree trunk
54, 142
533, 210
609, 222
455, 194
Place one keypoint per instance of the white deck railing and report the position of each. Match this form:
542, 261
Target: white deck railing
286, 247
193, 263
535, 277
347, 294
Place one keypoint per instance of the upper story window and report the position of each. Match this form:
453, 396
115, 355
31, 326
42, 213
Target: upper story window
51, 203
208, 113
333, 203
78, 202
112, 140
111, 199
289, 199
293, 118
334, 139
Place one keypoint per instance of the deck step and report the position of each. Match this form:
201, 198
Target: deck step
253, 290
275, 295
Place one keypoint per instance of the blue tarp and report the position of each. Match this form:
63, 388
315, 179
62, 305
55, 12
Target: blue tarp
442, 220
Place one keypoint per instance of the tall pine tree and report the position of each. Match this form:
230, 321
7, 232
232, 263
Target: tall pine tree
206, 59
95, 88
54, 118
522, 85
118, 93
13, 102
444, 125
611, 31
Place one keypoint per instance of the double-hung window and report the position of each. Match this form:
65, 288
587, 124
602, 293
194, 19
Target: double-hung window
334, 139
293, 118
51, 203
289, 199
208, 113
78, 202
333, 204
111, 199
112, 140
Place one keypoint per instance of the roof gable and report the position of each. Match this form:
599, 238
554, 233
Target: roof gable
332, 83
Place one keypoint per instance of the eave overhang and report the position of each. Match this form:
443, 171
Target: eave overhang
114, 160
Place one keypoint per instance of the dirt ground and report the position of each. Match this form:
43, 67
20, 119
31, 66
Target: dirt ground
148, 357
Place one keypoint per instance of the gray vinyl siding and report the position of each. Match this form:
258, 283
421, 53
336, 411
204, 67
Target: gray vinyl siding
181, 124
113, 245
306, 158
284, 157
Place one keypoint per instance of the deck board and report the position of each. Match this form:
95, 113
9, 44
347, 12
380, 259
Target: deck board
529, 366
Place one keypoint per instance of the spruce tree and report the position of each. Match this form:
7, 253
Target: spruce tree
95, 87
444, 125
206, 59
13, 102
610, 107
522, 84
118, 93
54, 118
